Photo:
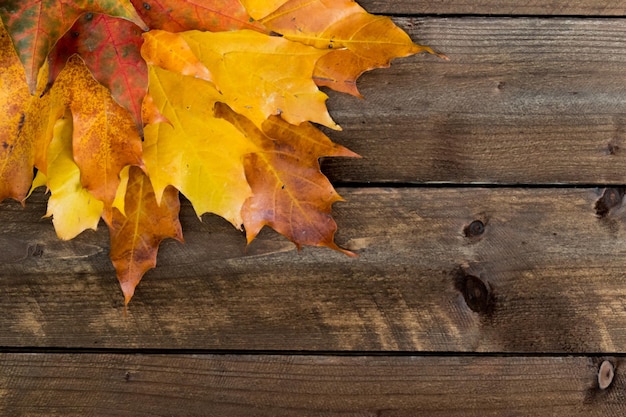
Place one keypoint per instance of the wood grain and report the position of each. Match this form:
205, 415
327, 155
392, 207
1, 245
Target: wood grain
247, 385
497, 7
440, 269
531, 101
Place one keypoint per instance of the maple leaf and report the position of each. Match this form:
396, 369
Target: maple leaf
36, 25
110, 48
136, 236
220, 149
352, 33
170, 51
16, 154
289, 192
73, 208
196, 152
105, 137
206, 15
280, 82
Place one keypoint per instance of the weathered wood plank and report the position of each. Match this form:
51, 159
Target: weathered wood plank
497, 7
520, 101
455, 269
204, 385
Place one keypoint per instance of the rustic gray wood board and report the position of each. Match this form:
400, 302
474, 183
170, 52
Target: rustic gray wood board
71, 385
526, 100
497, 7
440, 269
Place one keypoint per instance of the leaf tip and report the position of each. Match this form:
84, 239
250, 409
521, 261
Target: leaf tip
422, 48
128, 289
350, 253
342, 151
344, 251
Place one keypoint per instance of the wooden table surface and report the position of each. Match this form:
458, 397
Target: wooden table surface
487, 214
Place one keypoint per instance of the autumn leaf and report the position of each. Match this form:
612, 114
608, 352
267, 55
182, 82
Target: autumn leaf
289, 192
16, 153
110, 47
260, 75
205, 15
105, 138
27, 122
353, 35
209, 177
36, 25
170, 51
196, 152
136, 236
260, 8
340, 24
72, 208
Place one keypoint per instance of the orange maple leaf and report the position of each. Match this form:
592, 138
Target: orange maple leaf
353, 35
16, 152
289, 192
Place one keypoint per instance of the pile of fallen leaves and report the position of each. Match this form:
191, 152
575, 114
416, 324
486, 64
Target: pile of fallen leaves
119, 105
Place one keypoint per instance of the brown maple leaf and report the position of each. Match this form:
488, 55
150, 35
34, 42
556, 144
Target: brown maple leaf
137, 234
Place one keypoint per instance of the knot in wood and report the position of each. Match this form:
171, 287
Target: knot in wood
475, 228
611, 198
606, 375
475, 292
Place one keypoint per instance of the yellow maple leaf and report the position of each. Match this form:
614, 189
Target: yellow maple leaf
260, 76
72, 207
196, 152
